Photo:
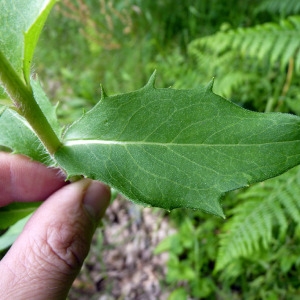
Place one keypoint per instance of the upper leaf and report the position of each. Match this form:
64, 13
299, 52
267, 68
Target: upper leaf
21, 22
178, 148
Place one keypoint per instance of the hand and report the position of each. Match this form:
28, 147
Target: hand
47, 256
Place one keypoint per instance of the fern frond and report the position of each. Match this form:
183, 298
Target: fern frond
228, 70
272, 42
268, 205
226, 84
279, 7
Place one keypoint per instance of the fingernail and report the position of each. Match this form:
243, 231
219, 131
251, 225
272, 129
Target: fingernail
96, 199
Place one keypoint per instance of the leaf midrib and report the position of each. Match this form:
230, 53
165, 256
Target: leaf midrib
83, 142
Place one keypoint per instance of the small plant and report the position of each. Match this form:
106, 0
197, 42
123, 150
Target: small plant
159, 147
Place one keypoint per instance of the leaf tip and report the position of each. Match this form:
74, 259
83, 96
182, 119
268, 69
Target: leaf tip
103, 93
151, 81
218, 212
210, 85
222, 215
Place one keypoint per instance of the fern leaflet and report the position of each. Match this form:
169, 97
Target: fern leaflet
268, 205
272, 42
279, 7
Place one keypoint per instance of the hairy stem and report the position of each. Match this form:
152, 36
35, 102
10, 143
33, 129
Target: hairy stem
23, 99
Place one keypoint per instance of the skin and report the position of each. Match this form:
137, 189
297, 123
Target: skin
47, 256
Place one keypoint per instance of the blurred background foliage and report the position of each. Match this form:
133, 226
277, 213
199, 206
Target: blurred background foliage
251, 48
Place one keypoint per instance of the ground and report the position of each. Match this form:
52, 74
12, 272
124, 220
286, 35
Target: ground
121, 263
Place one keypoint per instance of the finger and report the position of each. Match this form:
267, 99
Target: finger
24, 180
47, 256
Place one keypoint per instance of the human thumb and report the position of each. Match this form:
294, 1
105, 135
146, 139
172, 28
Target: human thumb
47, 256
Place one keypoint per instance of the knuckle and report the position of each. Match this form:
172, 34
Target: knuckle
64, 246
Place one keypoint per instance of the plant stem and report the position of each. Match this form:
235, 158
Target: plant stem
23, 99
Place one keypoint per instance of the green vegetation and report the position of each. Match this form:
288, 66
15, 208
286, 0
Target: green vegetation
255, 254
253, 51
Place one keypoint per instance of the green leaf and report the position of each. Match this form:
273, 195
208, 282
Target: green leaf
178, 294
17, 135
46, 106
168, 244
21, 22
178, 148
266, 213
12, 213
8, 238
31, 36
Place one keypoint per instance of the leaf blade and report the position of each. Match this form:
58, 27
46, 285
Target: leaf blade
31, 36
19, 19
179, 148
9, 237
12, 213
17, 135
